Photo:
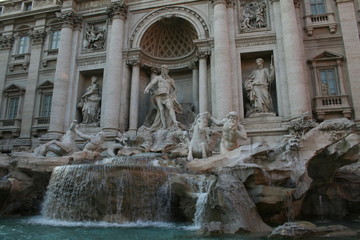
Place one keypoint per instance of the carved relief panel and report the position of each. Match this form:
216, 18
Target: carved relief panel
94, 36
253, 15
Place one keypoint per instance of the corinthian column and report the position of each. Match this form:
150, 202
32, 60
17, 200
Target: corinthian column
294, 59
114, 62
61, 78
134, 97
223, 76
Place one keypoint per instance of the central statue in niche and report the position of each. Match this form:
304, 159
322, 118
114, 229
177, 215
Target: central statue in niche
162, 89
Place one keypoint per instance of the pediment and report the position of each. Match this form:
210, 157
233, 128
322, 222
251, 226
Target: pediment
46, 85
13, 88
326, 56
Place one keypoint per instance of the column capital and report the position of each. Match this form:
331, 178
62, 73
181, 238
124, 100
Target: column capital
117, 10
133, 61
6, 42
38, 36
69, 19
193, 64
203, 53
227, 2
297, 3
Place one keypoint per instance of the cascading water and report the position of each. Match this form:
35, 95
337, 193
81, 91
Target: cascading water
200, 186
107, 193
118, 192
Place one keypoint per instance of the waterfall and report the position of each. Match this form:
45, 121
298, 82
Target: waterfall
200, 186
108, 193
289, 207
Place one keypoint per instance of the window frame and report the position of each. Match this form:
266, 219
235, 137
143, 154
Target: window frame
315, 5
53, 37
336, 83
23, 49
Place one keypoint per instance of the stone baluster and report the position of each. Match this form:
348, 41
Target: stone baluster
37, 40
62, 74
134, 95
223, 76
114, 62
348, 23
294, 59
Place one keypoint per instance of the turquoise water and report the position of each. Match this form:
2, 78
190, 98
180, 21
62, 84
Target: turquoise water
39, 228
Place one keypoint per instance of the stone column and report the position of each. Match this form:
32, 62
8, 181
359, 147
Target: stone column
37, 39
348, 23
294, 59
223, 91
203, 86
195, 85
114, 62
282, 91
134, 96
61, 78
233, 58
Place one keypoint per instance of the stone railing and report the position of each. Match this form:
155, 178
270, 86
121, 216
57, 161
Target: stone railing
19, 60
326, 20
10, 125
332, 104
16, 6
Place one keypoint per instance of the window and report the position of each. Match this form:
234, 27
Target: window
317, 7
12, 108
45, 108
23, 45
27, 6
55, 39
1, 10
328, 82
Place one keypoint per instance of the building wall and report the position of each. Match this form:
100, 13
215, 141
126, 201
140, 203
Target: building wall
299, 43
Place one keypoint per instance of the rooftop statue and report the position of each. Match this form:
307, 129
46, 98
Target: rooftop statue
162, 89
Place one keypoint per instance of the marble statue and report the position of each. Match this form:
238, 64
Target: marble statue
162, 89
94, 39
233, 131
64, 147
90, 104
198, 146
95, 141
257, 87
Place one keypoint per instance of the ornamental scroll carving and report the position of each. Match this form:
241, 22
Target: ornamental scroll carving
69, 19
253, 15
38, 36
6, 42
117, 9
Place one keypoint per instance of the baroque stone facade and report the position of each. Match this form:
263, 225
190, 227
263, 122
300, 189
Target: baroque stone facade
50, 50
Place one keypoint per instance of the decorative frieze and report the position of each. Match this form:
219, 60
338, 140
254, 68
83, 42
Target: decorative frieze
38, 36
94, 37
69, 19
6, 42
256, 41
253, 15
117, 10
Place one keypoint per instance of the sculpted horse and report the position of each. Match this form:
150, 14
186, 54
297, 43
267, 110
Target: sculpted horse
199, 145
